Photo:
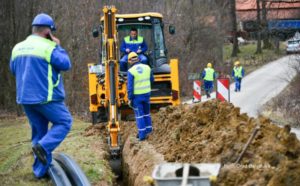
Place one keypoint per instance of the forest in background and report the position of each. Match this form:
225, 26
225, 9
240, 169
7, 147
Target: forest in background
199, 26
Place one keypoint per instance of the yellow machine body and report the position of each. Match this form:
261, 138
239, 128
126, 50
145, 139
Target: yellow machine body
99, 82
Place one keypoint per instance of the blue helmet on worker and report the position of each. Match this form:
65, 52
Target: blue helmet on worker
44, 20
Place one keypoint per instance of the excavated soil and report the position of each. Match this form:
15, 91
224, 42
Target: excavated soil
214, 132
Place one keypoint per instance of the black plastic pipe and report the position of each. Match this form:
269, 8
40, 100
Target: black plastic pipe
57, 175
71, 168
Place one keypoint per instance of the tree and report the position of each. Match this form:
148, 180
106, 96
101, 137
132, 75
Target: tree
258, 48
266, 42
220, 13
235, 46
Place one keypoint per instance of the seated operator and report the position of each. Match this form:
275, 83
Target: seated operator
133, 43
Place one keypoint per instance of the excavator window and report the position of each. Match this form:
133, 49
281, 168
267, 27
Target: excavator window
143, 30
152, 31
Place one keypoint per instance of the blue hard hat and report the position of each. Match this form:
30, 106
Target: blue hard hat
44, 20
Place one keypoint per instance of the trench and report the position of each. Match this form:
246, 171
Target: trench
138, 160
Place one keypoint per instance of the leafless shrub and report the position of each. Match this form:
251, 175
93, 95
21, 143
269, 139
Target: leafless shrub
199, 30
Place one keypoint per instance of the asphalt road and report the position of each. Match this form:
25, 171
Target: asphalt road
263, 84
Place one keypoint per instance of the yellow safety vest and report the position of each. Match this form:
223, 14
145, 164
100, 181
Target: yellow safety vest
238, 72
141, 73
209, 74
41, 48
139, 40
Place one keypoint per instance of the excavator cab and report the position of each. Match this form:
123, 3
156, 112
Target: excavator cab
164, 90
150, 27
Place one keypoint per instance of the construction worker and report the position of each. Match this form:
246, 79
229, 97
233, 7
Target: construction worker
139, 78
36, 64
238, 73
208, 75
133, 43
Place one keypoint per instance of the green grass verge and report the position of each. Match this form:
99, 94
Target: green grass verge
249, 59
16, 157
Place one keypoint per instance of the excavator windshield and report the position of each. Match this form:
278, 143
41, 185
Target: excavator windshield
152, 31
150, 27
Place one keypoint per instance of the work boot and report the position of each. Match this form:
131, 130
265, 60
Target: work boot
137, 136
40, 153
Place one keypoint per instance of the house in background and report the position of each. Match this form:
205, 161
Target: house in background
283, 17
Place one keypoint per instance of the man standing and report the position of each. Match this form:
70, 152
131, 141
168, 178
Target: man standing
238, 73
133, 43
139, 78
36, 63
208, 75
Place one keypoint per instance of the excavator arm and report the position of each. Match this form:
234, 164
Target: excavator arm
111, 86
107, 86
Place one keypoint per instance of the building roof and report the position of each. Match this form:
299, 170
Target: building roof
245, 5
246, 10
272, 14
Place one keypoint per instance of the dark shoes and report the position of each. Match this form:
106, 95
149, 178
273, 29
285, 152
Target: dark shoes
40, 153
137, 136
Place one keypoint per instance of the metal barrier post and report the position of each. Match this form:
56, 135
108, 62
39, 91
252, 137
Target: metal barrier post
223, 89
197, 91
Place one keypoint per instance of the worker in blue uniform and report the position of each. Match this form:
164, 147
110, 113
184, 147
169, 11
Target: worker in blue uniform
238, 73
133, 43
139, 79
208, 75
37, 63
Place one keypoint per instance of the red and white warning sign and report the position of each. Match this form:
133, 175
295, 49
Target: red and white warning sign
197, 91
223, 93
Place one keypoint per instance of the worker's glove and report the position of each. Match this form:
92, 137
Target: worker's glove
129, 103
139, 51
127, 50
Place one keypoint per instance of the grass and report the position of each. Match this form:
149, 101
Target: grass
284, 108
249, 59
16, 157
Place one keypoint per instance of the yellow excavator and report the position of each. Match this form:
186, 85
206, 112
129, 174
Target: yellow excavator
107, 84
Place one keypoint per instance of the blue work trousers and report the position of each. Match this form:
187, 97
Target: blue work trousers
124, 61
208, 86
141, 105
238, 82
39, 116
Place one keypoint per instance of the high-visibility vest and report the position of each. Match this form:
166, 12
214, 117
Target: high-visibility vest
238, 72
209, 74
139, 40
41, 48
141, 84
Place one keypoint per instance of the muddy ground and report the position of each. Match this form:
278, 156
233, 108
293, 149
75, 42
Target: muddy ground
214, 132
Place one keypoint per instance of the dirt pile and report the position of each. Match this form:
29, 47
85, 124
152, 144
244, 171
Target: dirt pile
212, 132
216, 132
